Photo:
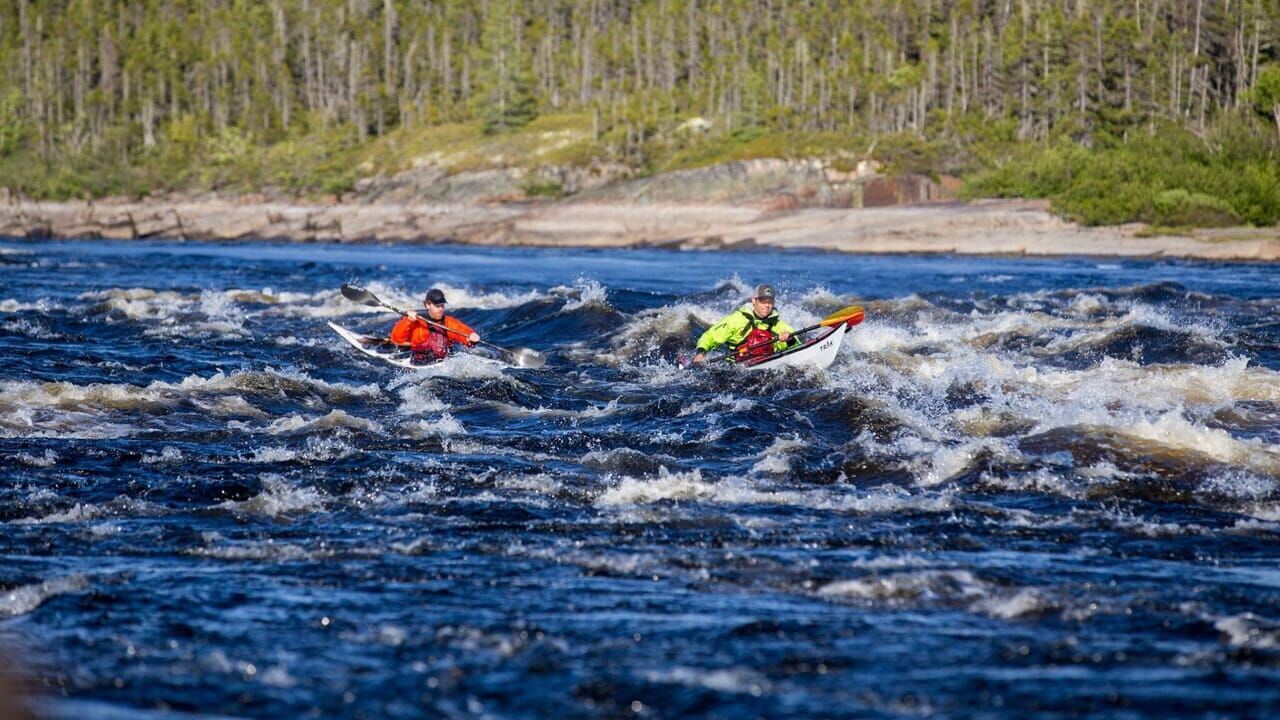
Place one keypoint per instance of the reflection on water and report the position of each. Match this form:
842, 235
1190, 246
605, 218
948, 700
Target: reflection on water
13, 696
1025, 487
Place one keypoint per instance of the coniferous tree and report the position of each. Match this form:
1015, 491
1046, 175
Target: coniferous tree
114, 78
505, 97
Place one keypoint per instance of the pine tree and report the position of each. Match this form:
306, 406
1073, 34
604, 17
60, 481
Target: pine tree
506, 99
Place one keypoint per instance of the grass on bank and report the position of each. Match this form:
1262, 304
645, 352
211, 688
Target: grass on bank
1167, 177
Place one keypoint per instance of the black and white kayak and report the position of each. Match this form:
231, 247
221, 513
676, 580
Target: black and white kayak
387, 351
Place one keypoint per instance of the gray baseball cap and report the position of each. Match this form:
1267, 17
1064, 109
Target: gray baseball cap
764, 292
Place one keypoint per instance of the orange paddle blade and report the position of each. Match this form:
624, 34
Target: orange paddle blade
851, 315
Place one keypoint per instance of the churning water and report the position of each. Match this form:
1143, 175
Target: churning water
1025, 488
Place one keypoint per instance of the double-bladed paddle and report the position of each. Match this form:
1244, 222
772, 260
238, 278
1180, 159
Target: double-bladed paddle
850, 316
524, 357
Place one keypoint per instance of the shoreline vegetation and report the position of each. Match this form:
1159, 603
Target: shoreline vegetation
1090, 126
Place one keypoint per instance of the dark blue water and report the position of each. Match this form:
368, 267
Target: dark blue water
1027, 488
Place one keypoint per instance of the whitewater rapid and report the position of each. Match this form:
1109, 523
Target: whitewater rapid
1027, 480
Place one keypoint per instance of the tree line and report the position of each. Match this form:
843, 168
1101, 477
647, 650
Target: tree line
121, 76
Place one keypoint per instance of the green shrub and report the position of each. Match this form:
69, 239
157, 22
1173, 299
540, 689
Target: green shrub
908, 153
1169, 177
543, 188
1179, 208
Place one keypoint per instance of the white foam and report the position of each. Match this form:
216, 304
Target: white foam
300, 425
459, 365
167, 456
590, 412
889, 500
18, 394
77, 513
1129, 522
821, 296
10, 305
1087, 304
273, 455
461, 297
735, 288
28, 328
1268, 511
1254, 527
272, 381
317, 448
725, 680
278, 498
691, 486
775, 460
1042, 480
1249, 630
159, 396
723, 402
667, 486
584, 292
418, 399
611, 562
143, 303
945, 462
1241, 485
105, 529
331, 303
444, 426
25, 598
873, 337
910, 586
1027, 601
1173, 430
46, 459
263, 550
543, 484
641, 334
230, 405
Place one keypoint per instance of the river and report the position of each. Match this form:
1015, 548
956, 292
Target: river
1026, 488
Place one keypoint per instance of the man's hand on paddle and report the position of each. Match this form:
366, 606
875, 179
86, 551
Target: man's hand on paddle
700, 357
784, 337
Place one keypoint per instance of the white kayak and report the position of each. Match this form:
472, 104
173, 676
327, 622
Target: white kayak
818, 352
387, 351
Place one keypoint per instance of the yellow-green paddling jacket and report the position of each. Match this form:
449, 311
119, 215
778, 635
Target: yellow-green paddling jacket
734, 328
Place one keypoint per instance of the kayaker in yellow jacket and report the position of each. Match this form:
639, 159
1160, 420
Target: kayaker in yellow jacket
749, 329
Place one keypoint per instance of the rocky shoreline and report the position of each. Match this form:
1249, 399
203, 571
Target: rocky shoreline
764, 203
984, 228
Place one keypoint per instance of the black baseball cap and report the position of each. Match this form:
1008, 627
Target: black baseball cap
435, 296
764, 292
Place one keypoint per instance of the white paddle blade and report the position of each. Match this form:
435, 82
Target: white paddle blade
526, 358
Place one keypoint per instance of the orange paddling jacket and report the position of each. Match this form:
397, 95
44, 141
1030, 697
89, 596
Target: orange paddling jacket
417, 333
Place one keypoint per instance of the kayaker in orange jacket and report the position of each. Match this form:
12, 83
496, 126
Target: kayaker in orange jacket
428, 340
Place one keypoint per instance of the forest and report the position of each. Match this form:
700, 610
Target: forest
1158, 111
